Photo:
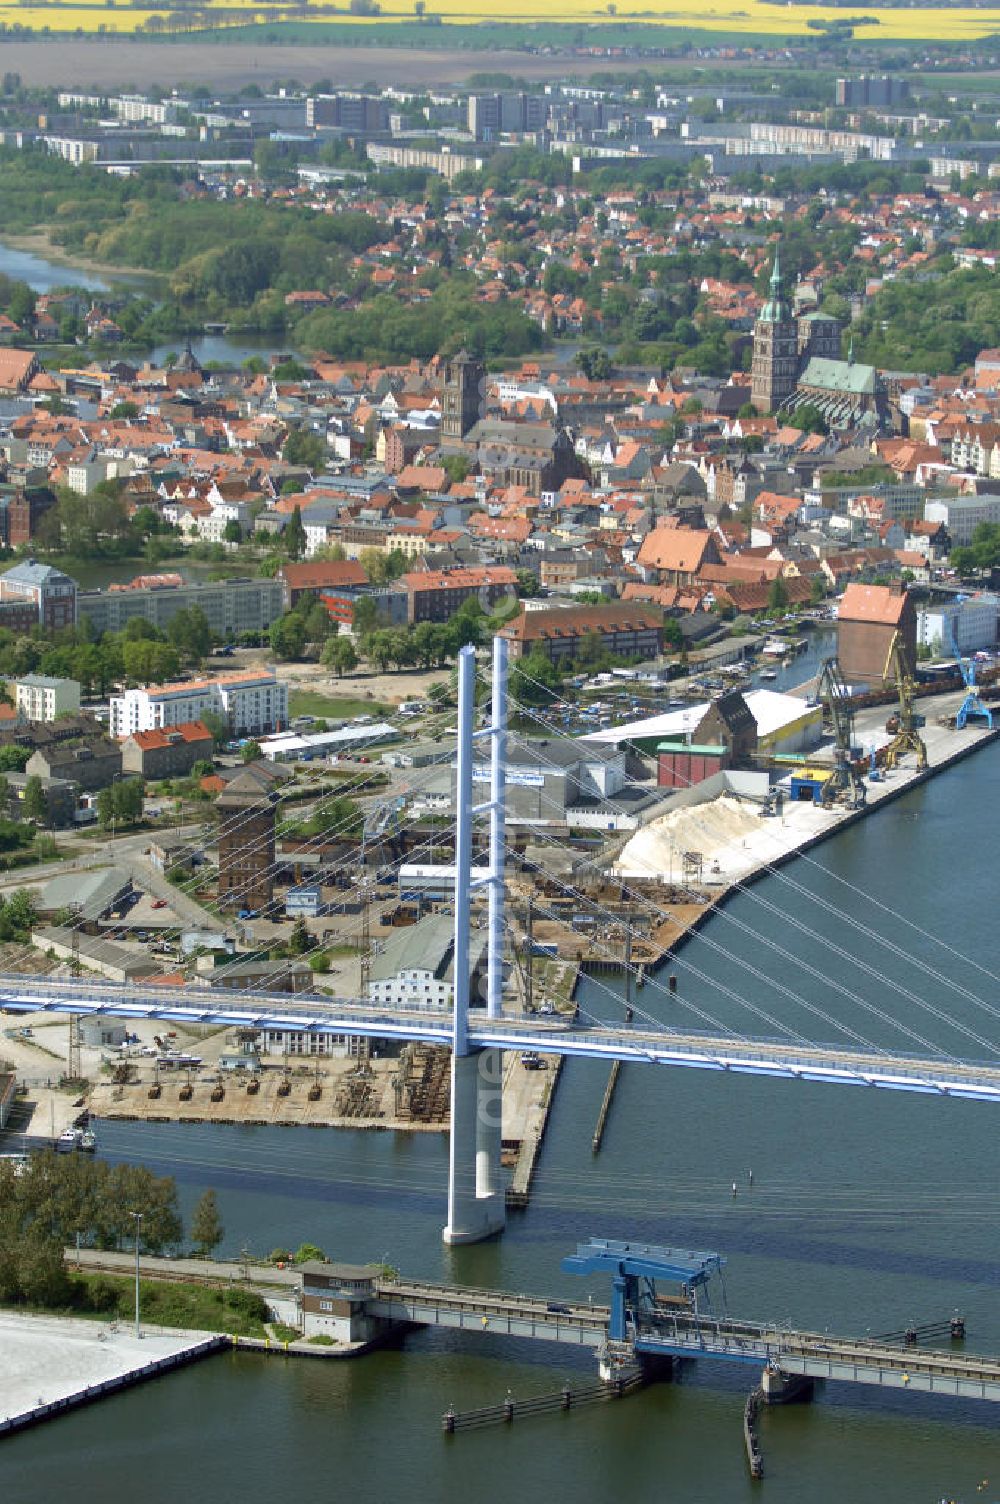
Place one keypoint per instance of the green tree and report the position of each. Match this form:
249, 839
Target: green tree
295, 535
13, 759
318, 623
305, 448
535, 680
340, 655
251, 751
232, 532
287, 636
364, 617
35, 807
300, 940
206, 1225
216, 725
777, 596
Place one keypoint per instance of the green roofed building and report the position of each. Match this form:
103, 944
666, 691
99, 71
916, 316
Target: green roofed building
796, 364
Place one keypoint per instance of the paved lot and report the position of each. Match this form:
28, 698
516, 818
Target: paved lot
50, 1358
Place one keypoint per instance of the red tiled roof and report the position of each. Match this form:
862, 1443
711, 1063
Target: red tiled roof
188, 731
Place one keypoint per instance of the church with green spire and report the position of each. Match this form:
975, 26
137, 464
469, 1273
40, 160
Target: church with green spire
796, 360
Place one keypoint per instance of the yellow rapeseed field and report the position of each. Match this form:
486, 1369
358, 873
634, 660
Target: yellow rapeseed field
742, 16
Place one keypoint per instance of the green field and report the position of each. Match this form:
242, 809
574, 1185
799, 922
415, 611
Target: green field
332, 707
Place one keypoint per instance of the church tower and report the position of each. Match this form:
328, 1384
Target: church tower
775, 368
463, 400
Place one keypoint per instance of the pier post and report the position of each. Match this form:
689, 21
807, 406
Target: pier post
476, 1207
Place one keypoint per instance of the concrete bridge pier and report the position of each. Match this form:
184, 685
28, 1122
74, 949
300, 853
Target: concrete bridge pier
476, 1202
476, 1196
781, 1388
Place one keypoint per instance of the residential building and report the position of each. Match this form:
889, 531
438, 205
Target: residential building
624, 629
252, 704
86, 757
52, 593
676, 555
436, 594
970, 625
167, 753
319, 576
230, 606
40, 698
17, 367
961, 515
25, 509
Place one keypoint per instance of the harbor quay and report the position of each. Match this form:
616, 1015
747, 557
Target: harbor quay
53, 1364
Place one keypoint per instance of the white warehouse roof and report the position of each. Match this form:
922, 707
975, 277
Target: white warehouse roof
769, 708
286, 746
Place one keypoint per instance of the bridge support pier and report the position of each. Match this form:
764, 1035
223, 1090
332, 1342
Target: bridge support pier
476, 1203
781, 1388
476, 1197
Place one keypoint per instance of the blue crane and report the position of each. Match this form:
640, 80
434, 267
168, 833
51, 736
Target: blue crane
972, 705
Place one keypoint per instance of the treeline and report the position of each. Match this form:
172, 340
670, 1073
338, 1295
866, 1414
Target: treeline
54, 1199
935, 324
141, 652
385, 329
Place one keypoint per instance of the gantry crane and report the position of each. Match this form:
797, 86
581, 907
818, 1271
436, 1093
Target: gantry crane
902, 725
847, 782
972, 705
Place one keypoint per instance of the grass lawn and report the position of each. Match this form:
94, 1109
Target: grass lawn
331, 708
101, 1297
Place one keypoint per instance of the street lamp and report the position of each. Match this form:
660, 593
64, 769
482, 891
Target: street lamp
114, 779
137, 1216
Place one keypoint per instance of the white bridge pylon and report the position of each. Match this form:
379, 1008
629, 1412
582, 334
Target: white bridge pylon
476, 1197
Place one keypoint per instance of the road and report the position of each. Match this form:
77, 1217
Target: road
736, 1054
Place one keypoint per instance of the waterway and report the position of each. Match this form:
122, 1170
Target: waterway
868, 1211
42, 274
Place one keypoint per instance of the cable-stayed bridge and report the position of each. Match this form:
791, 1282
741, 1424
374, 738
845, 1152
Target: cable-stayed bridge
935, 1076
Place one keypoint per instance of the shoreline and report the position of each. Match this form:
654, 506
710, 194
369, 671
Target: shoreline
39, 243
906, 778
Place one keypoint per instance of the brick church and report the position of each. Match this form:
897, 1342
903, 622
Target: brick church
796, 362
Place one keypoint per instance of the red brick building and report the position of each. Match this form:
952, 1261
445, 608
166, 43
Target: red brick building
436, 594
627, 630
868, 619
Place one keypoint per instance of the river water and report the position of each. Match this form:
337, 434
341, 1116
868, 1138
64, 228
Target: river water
868, 1211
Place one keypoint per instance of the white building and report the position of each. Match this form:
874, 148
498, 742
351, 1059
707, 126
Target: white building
40, 698
961, 515
413, 967
251, 704
973, 622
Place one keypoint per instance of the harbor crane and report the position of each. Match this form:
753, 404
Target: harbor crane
902, 726
847, 782
972, 707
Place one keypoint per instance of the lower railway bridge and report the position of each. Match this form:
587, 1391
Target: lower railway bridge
646, 1321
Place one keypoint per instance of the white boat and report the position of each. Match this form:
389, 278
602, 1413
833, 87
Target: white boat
88, 1141
767, 673
775, 647
68, 1140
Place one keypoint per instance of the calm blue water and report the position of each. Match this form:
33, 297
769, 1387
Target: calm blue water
44, 275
